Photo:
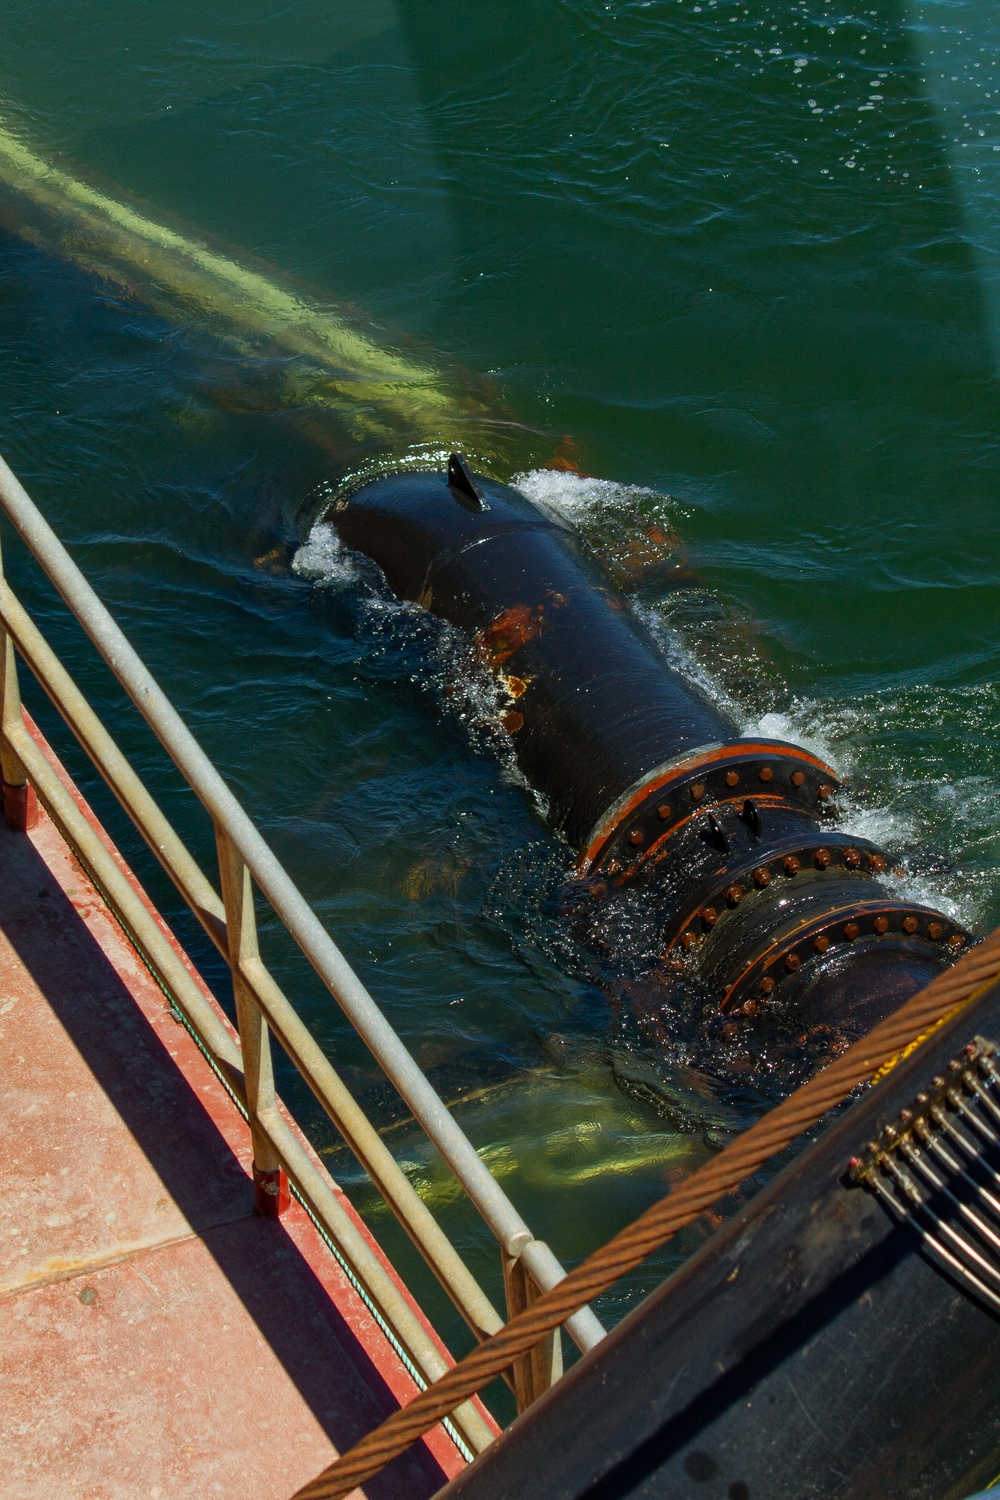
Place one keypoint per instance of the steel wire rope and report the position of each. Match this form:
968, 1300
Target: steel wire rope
864, 1061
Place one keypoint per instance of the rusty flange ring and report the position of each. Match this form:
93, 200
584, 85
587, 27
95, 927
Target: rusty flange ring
639, 827
784, 861
789, 953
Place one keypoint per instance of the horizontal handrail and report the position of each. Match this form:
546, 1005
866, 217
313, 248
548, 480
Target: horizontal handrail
168, 846
507, 1225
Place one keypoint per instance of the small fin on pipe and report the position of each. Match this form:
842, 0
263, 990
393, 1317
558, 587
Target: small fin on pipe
462, 484
751, 817
715, 835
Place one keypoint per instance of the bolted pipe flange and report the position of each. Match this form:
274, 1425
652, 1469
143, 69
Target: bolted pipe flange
771, 773
791, 952
788, 861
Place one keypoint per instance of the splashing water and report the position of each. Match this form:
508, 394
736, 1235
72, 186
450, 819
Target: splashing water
580, 499
324, 559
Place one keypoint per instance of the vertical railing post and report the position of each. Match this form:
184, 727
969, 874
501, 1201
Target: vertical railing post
533, 1373
20, 804
271, 1195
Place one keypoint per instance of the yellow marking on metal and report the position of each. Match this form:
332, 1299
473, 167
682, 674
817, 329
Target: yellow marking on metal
918, 1041
911, 1047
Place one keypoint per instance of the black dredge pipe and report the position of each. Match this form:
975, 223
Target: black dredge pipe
646, 779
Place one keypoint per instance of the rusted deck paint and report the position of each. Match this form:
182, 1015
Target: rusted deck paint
156, 1338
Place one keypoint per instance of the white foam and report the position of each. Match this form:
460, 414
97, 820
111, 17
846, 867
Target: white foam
941, 824
324, 558
576, 498
684, 661
894, 830
468, 692
794, 731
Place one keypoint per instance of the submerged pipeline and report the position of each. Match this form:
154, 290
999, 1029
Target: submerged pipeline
315, 358
730, 843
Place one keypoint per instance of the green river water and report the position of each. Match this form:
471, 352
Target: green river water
742, 255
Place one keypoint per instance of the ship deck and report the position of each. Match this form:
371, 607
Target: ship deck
157, 1338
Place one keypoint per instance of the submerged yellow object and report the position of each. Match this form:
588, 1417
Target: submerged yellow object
319, 356
546, 1130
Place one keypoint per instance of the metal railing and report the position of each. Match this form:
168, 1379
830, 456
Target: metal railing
246, 864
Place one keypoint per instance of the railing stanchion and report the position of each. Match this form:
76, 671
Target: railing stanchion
271, 1194
20, 805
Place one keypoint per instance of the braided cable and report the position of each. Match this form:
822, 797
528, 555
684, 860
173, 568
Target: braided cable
866, 1060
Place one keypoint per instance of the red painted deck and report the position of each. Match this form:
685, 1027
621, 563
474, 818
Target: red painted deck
157, 1340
